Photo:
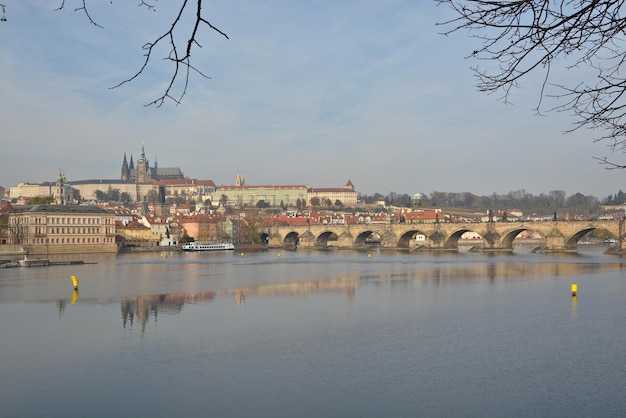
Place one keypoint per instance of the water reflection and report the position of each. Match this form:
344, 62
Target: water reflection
496, 271
61, 303
139, 310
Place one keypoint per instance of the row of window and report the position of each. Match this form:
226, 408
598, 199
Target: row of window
71, 240
41, 230
71, 221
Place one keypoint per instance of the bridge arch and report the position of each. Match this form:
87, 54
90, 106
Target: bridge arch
407, 240
572, 242
265, 237
361, 239
453, 239
291, 240
506, 241
322, 239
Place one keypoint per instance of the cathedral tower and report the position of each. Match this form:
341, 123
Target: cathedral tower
143, 167
125, 169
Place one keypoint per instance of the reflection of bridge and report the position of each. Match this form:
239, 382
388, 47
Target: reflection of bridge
560, 236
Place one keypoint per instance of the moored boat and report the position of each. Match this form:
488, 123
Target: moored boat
34, 262
222, 246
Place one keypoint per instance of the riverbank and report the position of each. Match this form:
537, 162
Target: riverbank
250, 247
40, 262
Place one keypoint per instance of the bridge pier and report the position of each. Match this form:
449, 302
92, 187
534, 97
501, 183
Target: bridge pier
306, 240
345, 240
556, 243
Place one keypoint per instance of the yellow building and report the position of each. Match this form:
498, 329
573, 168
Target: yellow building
272, 195
346, 195
62, 229
158, 228
134, 234
31, 190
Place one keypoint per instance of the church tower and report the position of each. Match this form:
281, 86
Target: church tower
239, 180
59, 195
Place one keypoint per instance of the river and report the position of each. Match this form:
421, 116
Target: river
316, 334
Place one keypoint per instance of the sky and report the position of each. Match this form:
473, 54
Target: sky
306, 92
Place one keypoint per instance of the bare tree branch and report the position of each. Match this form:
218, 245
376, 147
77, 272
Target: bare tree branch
180, 54
83, 8
524, 36
608, 164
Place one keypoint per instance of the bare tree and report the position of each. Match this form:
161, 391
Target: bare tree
181, 49
524, 36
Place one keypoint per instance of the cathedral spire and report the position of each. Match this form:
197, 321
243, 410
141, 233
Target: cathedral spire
142, 158
125, 169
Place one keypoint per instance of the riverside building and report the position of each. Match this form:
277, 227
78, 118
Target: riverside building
61, 229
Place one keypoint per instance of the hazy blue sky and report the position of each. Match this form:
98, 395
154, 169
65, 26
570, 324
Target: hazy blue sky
303, 92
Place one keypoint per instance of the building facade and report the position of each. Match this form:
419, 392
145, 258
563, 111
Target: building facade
31, 190
133, 234
346, 195
272, 195
62, 229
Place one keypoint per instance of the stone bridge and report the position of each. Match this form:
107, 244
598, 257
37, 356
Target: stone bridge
559, 236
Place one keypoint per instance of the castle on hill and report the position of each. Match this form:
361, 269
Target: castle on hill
139, 182
143, 173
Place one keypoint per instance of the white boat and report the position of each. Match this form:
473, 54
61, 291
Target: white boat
194, 246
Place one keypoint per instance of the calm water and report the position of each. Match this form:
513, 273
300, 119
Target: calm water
317, 334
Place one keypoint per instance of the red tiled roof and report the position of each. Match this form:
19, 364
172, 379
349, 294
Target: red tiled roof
132, 225
297, 186
175, 182
331, 189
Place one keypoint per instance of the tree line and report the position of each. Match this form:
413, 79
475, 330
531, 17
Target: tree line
541, 204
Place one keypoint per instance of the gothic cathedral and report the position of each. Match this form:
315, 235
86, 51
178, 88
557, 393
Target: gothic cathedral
143, 173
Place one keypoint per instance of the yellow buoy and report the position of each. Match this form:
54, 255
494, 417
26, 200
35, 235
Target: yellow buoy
574, 289
369, 255
278, 255
241, 254
75, 282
